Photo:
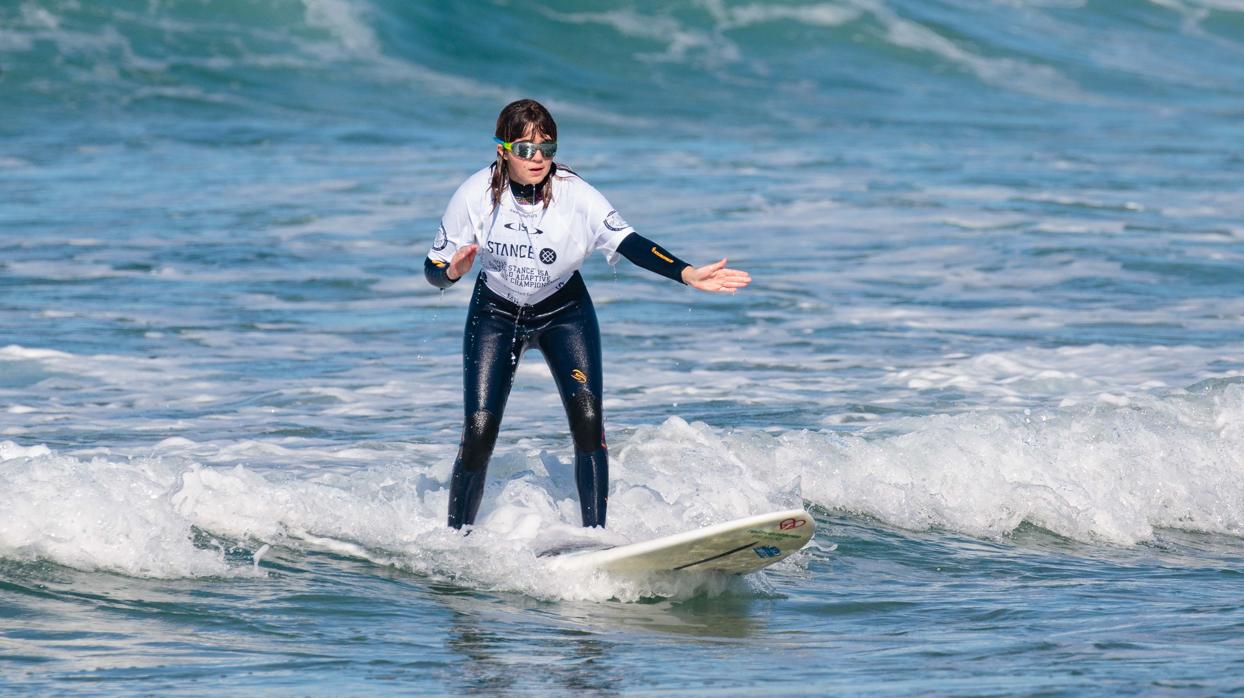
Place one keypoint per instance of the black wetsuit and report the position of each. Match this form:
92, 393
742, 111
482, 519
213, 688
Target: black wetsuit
563, 327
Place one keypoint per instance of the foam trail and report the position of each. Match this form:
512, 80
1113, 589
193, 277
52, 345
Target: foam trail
139, 516
97, 515
1112, 472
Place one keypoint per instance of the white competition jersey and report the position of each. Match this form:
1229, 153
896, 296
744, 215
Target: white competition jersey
529, 252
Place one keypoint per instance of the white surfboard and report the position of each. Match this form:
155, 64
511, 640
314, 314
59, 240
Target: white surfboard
739, 547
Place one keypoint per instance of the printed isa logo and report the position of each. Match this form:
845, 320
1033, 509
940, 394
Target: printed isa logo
767, 551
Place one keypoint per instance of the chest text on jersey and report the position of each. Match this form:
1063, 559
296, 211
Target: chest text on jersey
505, 249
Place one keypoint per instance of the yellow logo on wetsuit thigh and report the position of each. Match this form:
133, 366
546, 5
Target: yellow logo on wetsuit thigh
579, 376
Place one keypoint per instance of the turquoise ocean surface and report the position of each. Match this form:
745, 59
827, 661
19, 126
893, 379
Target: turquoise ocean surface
994, 342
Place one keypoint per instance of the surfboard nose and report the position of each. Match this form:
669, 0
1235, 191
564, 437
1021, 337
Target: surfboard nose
740, 546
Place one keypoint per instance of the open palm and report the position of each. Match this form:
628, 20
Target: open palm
716, 278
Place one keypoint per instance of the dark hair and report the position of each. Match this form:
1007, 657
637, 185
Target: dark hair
512, 124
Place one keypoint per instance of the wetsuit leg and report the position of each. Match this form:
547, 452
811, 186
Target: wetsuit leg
490, 359
571, 346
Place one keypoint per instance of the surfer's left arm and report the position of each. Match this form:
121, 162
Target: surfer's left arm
714, 278
611, 233
646, 254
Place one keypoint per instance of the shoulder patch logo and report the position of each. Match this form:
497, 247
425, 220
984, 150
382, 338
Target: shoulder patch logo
614, 221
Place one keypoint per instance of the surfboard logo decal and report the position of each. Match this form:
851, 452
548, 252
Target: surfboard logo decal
767, 551
788, 524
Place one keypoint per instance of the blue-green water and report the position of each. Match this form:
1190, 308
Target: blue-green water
993, 342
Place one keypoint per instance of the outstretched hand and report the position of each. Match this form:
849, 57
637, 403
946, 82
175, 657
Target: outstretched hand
461, 262
716, 278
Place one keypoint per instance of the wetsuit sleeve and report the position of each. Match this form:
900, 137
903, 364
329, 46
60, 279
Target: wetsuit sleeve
457, 228
437, 273
645, 253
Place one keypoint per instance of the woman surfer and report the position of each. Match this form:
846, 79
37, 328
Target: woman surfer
533, 224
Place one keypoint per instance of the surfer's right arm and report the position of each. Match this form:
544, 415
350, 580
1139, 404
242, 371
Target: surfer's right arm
444, 274
437, 273
453, 252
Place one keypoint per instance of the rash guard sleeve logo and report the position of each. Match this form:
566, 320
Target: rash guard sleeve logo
441, 239
614, 221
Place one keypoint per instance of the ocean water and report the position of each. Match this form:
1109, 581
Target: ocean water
994, 342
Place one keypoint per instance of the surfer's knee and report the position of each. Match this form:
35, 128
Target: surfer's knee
479, 435
586, 421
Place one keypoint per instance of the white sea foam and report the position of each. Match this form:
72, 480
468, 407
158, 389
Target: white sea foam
136, 516
346, 22
36, 16
96, 514
1069, 374
1195, 10
682, 43
823, 14
1007, 73
1107, 472
1111, 471
63, 271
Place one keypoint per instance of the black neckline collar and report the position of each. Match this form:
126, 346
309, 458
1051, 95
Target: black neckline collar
525, 193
